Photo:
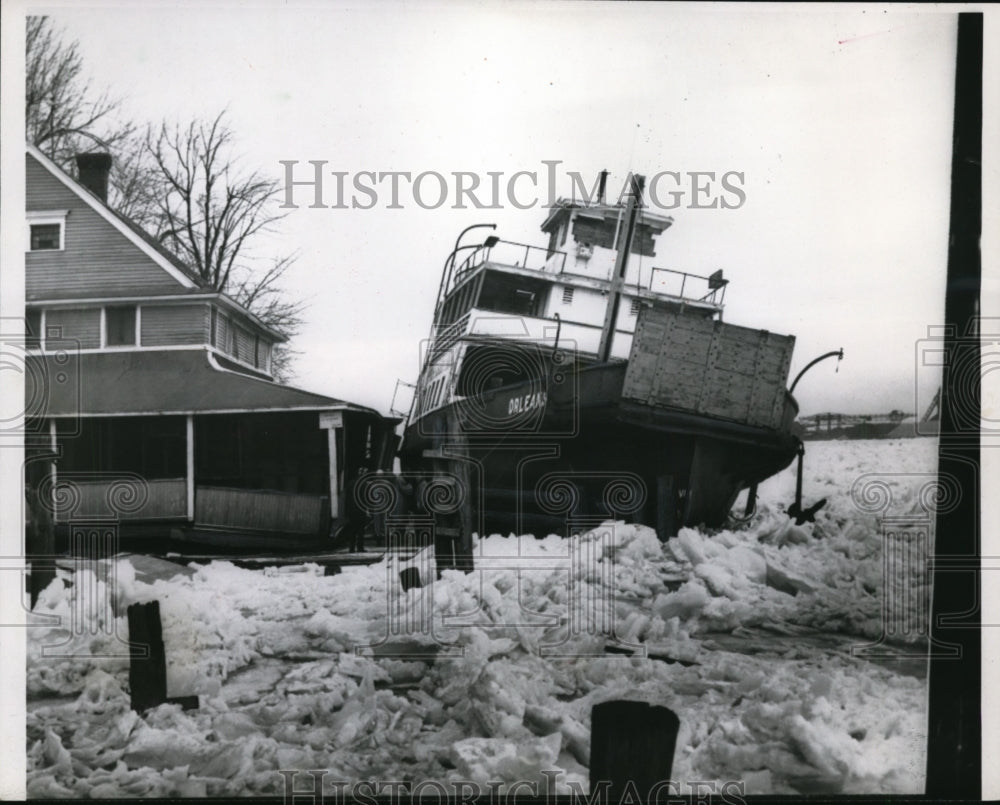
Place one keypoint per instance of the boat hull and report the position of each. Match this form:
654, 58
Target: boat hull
564, 452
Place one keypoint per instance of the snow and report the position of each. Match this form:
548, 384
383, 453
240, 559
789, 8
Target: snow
743, 632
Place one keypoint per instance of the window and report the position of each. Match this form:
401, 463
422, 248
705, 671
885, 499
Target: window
567, 296
265, 356
46, 230
153, 447
244, 345
223, 337
46, 236
119, 327
518, 295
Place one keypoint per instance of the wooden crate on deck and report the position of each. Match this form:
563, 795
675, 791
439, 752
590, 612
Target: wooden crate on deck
689, 362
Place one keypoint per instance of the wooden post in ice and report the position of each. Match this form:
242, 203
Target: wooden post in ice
147, 676
666, 508
147, 673
40, 540
409, 578
631, 742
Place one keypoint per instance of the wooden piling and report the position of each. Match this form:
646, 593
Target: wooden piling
147, 675
666, 508
409, 577
631, 742
40, 545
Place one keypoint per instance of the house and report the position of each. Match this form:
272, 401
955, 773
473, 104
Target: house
156, 391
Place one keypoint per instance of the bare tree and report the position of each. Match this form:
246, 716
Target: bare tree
261, 292
134, 185
63, 114
184, 185
211, 213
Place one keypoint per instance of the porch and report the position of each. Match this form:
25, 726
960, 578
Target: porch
254, 475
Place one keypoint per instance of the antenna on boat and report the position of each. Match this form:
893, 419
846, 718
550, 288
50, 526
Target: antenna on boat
621, 266
618, 222
602, 185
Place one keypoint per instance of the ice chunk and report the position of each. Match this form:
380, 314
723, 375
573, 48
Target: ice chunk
688, 600
745, 563
231, 726
786, 581
501, 759
693, 546
101, 690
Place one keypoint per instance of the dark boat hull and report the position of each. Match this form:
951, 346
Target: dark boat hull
563, 453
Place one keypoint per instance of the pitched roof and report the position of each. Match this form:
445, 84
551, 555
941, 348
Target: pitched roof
160, 382
154, 244
161, 255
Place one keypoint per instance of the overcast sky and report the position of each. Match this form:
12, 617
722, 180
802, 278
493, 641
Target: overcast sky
840, 122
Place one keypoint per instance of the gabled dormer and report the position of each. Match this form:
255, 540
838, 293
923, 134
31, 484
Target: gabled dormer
97, 281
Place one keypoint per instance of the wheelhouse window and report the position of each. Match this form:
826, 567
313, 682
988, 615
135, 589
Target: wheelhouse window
119, 326
513, 294
46, 230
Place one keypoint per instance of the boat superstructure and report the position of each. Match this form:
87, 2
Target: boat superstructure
567, 383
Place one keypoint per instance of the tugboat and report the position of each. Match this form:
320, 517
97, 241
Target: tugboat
569, 383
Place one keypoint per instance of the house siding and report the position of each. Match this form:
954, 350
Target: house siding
174, 325
97, 261
83, 326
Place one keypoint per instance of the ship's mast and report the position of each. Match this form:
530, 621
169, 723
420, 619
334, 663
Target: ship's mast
621, 266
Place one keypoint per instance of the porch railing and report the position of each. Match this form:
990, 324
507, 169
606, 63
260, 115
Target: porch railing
124, 499
258, 510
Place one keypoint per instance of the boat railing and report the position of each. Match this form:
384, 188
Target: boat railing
511, 253
670, 282
694, 287
445, 337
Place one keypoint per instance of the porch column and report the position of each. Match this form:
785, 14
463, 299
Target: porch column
189, 474
333, 422
54, 444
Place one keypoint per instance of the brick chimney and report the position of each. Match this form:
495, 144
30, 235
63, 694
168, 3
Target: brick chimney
93, 170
